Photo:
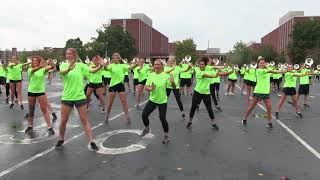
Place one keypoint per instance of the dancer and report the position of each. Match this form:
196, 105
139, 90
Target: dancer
202, 92
73, 74
117, 71
36, 91
15, 78
175, 71
156, 84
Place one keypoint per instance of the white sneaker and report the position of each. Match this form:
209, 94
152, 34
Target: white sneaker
232, 94
226, 94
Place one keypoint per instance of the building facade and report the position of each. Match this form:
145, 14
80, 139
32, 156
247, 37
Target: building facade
280, 38
148, 41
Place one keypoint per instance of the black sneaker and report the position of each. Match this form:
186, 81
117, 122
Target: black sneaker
215, 126
94, 146
7, 100
183, 117
26, 116
11, 106
277, 115
21, 106
144, 132
269, 125
219, 108
59, 145
306, 105
165, 139
54, 117
189, 125
244, 122
51, 131
299, 114
29, 130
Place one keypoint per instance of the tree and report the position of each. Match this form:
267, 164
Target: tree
77, 44
113, 39
186, 47
241, 54
305, 39
267, 52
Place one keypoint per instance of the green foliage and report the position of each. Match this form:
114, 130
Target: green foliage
268, 53
186, 47
113, 39
240, 54
78, 45
305, 40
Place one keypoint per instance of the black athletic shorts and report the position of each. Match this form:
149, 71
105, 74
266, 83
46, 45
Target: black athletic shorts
261, 96
117, 88
76, 103
216, 86
15, 81
289, 91
143, 82
2, 80
250, 83
135, 81
106, 81
232, 80
95, 85
271, 79
185, 82
303, 89
126, 78
35, 94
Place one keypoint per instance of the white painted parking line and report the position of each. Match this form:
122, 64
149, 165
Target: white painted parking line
298, 138
11, 169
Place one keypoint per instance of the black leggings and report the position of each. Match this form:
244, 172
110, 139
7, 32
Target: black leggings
213, 94
149, 108
196, 100
8, 90
94, 91
176, 93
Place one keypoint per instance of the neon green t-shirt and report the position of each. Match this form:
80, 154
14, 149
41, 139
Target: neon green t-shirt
263, 82
15, 72
37, 81
304, 79
73, 81
144, 72
252, 75
135, 73
188, 74
96, 77
161, 82
106, 73
290, 80
276, 76
3, 72
117, 73
203, 84
175, 73
233, 75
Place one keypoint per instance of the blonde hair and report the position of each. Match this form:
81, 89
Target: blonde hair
74, 52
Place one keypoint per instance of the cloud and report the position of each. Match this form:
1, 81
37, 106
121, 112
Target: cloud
37, 23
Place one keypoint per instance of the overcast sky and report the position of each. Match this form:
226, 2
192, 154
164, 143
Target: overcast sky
33, 24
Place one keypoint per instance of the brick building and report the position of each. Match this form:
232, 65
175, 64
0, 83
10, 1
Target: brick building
148, 41
280, 38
